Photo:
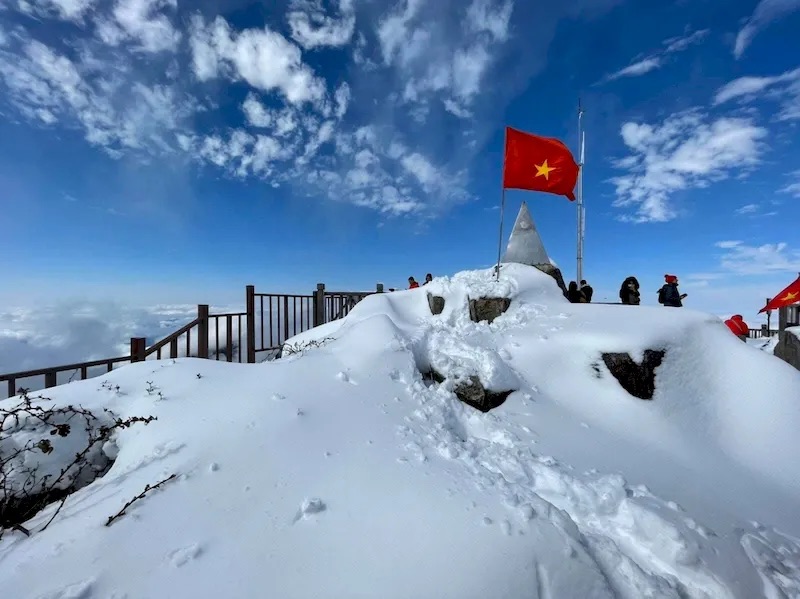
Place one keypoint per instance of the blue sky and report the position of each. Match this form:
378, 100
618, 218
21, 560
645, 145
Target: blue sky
156, 151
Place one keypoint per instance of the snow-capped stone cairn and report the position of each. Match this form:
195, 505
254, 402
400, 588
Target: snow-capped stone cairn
637, 379
525, 247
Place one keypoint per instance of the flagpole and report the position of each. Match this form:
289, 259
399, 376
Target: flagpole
580, 224
502, 209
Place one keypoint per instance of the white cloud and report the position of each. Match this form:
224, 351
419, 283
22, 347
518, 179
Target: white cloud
785, 88
685, 151
342, 99
657, 60
483, 15
744, 259
747, 209
681, 43
766, 12
793, 188
637, 68
263, 58
113, 112
431, 64
312, 27
140, 20
256, 113
68, 10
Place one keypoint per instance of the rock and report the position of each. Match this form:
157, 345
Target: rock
788, 346
472, 393
487, 308
636, 379
554, 272
436, 304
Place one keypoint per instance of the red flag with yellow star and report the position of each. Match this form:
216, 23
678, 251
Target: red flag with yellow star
787, 297
537, 163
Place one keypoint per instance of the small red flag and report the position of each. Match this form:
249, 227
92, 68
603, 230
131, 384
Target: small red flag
538, 164
787, 297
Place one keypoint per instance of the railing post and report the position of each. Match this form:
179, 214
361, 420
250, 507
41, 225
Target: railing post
50, 379
285, 318
379, 288
319, 305
202, 331
769, 314
783, 314
251, 324
11, 390
138, 349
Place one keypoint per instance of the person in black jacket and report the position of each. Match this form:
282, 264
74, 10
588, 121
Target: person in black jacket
587, 291
574, 294
669, 294
629, 292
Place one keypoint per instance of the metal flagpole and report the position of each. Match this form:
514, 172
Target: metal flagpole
502, 209
580, 225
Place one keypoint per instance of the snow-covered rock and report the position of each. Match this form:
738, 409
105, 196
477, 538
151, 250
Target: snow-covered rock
338, 471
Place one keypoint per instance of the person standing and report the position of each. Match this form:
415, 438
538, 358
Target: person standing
574, 294
428, 278
738, 326
669, 295
587, 291
412, 283
629, 292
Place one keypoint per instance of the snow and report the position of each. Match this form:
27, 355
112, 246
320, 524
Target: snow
338, 471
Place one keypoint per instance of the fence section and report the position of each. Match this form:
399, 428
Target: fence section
268, 321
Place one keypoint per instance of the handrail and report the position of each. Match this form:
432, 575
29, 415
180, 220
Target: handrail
174, 336
63, 368
313, 312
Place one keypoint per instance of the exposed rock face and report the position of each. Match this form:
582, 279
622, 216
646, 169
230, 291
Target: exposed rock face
554, 272
637, 379
788, 347
472, 393
487, 308
436, 304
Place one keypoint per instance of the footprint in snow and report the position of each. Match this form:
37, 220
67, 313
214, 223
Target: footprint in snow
78, 590
308, 508
278, 397
345, 378
180, 557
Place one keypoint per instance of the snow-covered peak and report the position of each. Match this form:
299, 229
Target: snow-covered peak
345, 470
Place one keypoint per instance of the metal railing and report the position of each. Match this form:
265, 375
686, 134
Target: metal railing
268, 321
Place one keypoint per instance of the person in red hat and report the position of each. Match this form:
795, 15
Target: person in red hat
669, 295
738, 326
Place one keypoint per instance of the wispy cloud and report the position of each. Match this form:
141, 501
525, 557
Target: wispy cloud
766, 12
154, 79
754, 211
793, 188
687, 150
747, 209
783, 88
312, 26
646, 64
740, 258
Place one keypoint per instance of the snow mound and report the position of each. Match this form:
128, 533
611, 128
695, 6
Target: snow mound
339, 471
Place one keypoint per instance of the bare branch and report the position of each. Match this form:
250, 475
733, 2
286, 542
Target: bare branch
141, 495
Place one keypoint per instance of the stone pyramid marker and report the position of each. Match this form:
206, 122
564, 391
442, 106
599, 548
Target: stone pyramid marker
525, 246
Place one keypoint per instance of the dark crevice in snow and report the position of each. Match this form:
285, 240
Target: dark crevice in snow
637, 379
471, 391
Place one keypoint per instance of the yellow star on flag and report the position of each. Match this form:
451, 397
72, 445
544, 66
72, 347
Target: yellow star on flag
789, 297
542, 170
